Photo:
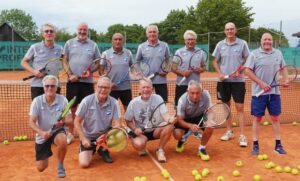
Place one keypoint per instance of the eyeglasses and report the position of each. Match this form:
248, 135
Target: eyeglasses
48, 31
49, 86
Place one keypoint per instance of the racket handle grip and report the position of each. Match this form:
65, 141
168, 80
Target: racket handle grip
29, 77
186, 135
130, 132
151, 76
226, 76
182, 80
260, 93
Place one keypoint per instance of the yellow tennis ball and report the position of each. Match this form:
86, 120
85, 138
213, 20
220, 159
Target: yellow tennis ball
278, 169
260, 157
166, 175
299, 167
236, 173
234, 124
220, 178
256, 178
16, 138
205, 172
20, 138
239, 163
268, 166
265, 123
5, 142
163, 171
137, 178
198, 177
143, 178
195, 172
294, 123
287, 169
24, 137
265, 156
295, 171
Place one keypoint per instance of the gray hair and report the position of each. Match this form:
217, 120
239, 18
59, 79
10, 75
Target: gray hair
48, 25
189, 32
50, 77
104, 78
152, 26
196, 84
146, 80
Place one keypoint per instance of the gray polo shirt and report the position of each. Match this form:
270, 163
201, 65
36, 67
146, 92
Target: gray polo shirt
120, 65
154, 56
81, 55
188, 109
39, 54
186, 55
46, 114
230, 57
140, 111
97, 117
264, 65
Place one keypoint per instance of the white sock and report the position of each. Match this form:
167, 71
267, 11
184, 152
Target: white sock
201, 147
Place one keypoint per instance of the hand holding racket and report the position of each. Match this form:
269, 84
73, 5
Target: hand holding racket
167, 66
136, 71
197, 61
213, 117
63, 115
53, 67
236, 73
283, 77
163, 115
88, 72
114, 140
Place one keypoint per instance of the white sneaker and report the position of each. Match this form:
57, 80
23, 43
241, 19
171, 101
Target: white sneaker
142, 153
243, 141
160, 154
70, 138
227, 136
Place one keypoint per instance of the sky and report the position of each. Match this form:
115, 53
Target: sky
100, 14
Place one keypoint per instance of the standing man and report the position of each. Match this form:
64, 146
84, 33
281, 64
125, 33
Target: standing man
138, 114
39, 54
44, 112
190, 109
190, 40
261, 67
79, 53
154, 52
229, 54
121, 59
95, 116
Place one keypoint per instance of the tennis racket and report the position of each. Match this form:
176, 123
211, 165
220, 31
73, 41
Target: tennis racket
236, 73
213, 117
63, 114
283, 77
162, 115
52, 67
198, 59
91, 68
136, 71
168, 65
114, 140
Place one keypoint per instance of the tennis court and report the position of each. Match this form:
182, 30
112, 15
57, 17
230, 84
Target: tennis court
17, 158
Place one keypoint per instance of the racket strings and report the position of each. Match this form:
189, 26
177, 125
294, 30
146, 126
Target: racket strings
163, 114
286, 74
216, 115
116, 139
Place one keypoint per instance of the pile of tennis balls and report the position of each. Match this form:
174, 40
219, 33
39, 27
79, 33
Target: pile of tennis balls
20, 138
142, 178
198, 176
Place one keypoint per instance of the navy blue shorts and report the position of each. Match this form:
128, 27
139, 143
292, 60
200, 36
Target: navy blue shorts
259, 104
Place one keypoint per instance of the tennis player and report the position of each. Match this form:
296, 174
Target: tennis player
121, 59
261, 67
190, 109
44, 112
137, 115
154, 52
96, 114
79, 53
229, 54
40, 53
186, 52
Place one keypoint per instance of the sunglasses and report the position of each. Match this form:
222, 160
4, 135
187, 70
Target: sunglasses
48, 31
50, 86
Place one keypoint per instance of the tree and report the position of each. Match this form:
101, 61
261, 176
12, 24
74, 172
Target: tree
20, 22
62, 35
